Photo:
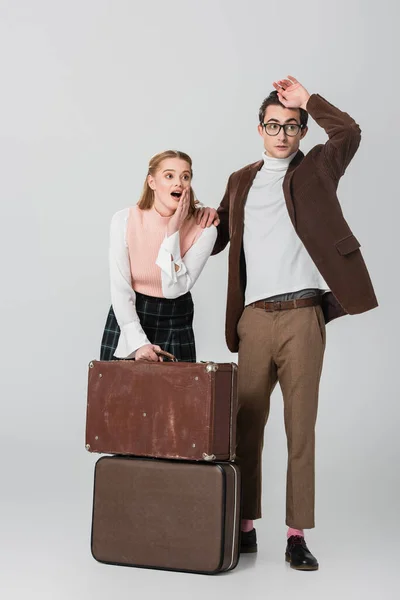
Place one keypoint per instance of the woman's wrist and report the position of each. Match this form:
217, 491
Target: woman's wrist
171, 230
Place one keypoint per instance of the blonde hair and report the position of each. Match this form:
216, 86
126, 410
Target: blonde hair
146, 199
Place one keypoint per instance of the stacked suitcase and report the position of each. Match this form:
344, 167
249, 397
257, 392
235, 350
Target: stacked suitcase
169, 497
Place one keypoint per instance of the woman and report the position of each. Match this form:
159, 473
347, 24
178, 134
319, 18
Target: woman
157, 251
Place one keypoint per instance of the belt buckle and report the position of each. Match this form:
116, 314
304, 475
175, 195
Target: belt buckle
277, 305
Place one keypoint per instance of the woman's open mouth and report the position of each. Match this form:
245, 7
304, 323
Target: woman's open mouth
176, 195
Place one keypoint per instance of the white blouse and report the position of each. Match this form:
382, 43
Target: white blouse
174, 282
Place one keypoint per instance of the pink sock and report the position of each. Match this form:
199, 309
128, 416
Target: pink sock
247, 525
292, 531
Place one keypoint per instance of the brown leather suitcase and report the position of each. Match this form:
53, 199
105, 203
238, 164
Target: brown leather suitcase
162, 410
166, 514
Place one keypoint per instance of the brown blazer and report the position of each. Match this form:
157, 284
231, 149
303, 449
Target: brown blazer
309, 186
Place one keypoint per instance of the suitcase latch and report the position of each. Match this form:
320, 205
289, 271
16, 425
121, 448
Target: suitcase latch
211, 368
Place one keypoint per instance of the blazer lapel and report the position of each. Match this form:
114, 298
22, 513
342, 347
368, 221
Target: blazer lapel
287, 186
240, 196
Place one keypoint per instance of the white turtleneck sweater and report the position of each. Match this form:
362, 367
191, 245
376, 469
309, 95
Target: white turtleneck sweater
276, 259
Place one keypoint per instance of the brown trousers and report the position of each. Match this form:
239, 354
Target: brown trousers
286, 346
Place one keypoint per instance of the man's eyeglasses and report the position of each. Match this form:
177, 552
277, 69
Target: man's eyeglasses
290, 129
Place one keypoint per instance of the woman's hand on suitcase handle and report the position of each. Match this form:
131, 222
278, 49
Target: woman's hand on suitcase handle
148, 352
167, 355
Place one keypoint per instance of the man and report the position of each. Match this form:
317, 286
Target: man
294, 265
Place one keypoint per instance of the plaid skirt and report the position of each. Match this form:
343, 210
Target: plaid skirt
166, 323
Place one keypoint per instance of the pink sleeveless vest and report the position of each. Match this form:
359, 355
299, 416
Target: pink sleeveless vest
146, 230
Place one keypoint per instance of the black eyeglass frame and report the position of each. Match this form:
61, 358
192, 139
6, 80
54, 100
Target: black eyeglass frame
264, 126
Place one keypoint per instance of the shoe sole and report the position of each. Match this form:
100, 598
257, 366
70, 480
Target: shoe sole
301, 567
248, 550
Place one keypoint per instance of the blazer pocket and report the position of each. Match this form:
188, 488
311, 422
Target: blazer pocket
347, 245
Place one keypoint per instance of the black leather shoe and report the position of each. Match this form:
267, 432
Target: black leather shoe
248, 541
299, 556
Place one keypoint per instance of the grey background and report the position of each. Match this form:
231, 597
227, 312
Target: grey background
90, 90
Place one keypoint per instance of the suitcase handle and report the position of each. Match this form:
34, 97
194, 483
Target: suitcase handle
162, 353
165, 354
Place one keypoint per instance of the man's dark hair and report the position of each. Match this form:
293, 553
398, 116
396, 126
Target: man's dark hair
273, 99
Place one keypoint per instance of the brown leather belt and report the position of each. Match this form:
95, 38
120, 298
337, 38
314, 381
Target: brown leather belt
287, 304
